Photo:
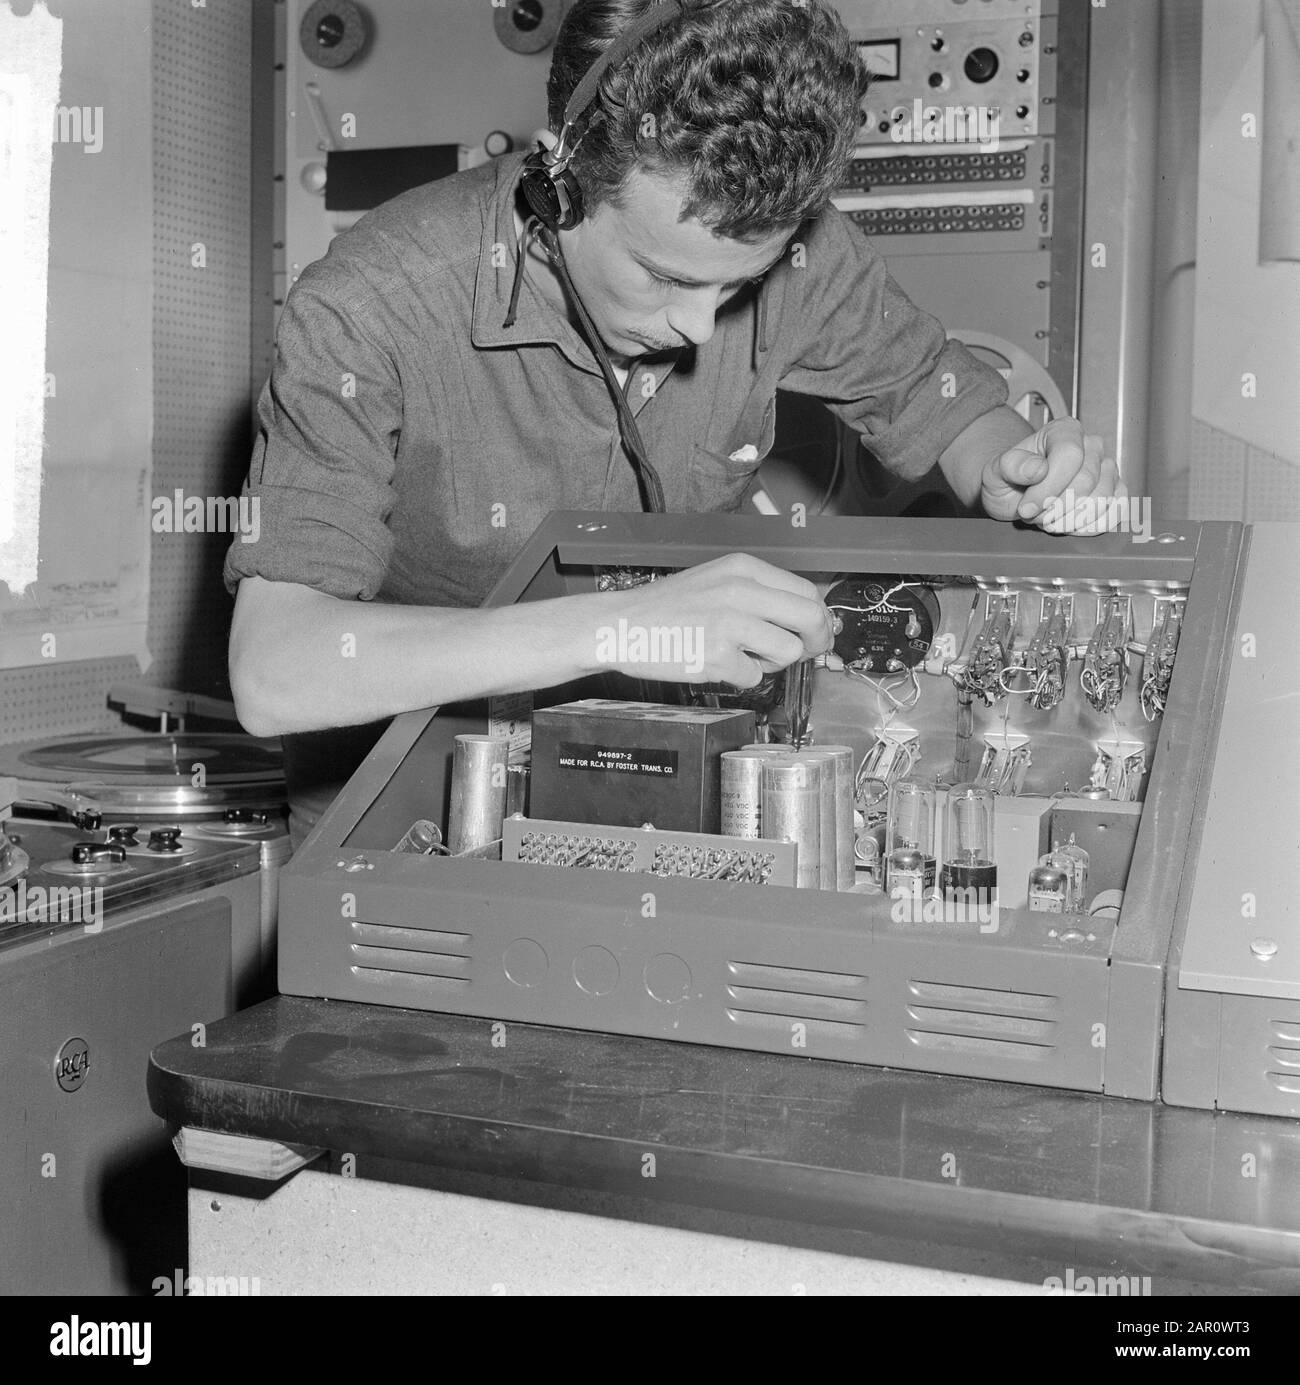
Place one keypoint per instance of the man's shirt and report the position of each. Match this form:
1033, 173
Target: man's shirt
410, 442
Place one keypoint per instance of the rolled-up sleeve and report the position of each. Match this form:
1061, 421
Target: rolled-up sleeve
321, 473
873, 356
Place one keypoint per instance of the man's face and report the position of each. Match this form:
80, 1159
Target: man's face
654, 283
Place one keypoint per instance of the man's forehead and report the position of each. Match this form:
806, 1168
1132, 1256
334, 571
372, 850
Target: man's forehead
646, 219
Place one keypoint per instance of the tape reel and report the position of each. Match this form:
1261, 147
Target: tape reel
333, 33
529, 26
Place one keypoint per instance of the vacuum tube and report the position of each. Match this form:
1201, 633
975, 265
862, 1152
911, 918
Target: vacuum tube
909, 839
968, 863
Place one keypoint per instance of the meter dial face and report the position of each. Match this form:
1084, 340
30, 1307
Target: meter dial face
889, 622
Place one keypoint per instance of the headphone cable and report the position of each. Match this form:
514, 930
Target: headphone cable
651, 488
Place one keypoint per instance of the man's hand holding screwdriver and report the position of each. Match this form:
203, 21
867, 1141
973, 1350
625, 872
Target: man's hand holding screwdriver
732, 620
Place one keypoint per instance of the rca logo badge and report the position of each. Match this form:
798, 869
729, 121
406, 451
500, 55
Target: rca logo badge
72, 1064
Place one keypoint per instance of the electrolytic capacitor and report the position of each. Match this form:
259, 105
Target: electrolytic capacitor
791, 811
742, 788
837, 814
826, 865
869, 849
422, 838
478, 792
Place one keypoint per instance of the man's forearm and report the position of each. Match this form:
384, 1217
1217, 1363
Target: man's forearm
978, 444
304, 661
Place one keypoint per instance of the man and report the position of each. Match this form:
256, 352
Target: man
419, 424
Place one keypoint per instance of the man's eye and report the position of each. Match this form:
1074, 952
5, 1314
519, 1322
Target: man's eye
726, 288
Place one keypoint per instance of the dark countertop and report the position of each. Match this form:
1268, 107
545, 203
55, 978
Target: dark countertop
799, 1150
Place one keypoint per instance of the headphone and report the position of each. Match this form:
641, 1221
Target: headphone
550, 189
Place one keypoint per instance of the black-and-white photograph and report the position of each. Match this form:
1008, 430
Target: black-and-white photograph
648, 648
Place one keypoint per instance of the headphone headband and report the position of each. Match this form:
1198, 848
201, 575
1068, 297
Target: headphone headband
585, 92
551, 191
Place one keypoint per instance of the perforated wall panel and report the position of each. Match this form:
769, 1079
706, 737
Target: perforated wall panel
202, 196
1272, 487
1218, 474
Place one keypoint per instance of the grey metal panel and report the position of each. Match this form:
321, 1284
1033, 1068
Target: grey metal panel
1003, 297
1107, 832
994, 23
1251, 842
1119, 213
1189, 1061
1133, 1028
1070, 163
94, 1202
1259, 1055
1151, 919
830, 545
1180, 756
1173, 278
1192, 1032
828, 977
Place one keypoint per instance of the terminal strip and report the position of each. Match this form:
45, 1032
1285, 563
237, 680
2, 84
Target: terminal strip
990, 657
1158, 665
648, 851
1048, 653
1105, 664
712, 863
586, 853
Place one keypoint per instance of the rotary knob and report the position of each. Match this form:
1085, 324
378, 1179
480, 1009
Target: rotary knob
123, 834
98, 853
981, 65
165, 839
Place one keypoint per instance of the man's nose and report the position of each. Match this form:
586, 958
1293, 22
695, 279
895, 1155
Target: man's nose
695, 316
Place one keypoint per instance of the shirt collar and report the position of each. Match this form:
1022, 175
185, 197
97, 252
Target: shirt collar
537, 321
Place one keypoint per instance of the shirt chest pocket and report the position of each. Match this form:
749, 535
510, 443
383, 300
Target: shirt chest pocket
721, 471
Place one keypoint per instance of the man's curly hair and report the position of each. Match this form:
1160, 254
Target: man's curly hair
754, 102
